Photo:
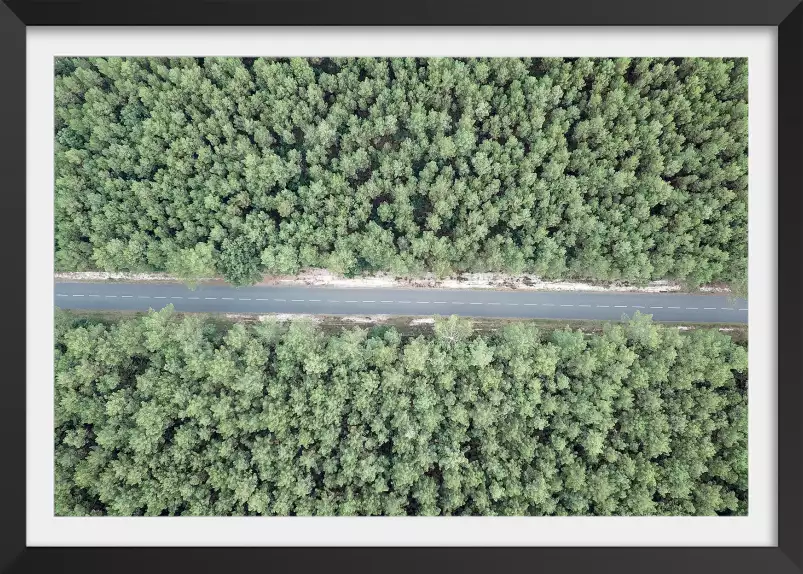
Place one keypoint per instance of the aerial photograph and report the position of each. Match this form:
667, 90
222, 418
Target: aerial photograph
433, 286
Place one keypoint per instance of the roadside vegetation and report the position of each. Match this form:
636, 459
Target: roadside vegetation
598, 169
175, 415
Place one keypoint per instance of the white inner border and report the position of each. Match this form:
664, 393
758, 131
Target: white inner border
758, 44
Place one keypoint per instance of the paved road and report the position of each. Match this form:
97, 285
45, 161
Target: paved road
330, 301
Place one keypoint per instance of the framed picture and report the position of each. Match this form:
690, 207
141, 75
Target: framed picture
552, 278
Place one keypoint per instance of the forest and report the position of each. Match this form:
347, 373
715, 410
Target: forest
628, 169
165, 414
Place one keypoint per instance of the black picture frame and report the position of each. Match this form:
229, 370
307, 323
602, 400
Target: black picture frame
787, 15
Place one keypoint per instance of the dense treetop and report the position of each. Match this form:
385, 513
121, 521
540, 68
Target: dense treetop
607, 169
163, 415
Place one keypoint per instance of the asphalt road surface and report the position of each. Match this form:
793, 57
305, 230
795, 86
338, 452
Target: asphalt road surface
329, 301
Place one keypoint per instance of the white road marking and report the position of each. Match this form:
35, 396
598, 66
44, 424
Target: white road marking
638, 307
177, 297
228, 298
656, 307
584, 305
425, 302
620, 306
727, 308
77, 295
294, 300
457, 303
143, 297
691, 308
603, 305
283, 300
210, 297
369, 301
476, 303
548, 304
567, 305
745, 309
512, 304
94, 295
193, 297
61, 295
126, 296
245, 298
494, 303
674, 307
531, 304
709, 308
155, 297
112, 296
329, 301
352, 301
386, 301
311, 300
263, 299
439, 302
402, 301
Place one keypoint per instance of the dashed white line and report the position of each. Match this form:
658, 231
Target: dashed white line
512, 304
193, 297
620, 306
603, 306
386, 301
245, 298
567, 305
457, 303
691, 308
210, 298
329, 301
126, 296
439, 302
531, 304
94, 295
745, 309
727, 308
155, 297
294, 300
584, 305
548, 304
263, 299
494, 303
61, 295
402, 301
228, 298
638, 307
177, 297
656, 307
143, 297
112, 296
425, 302
352, 301
709, 308
476, 303
283, 300
369, 301
311, 300
77, 295
674, 307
